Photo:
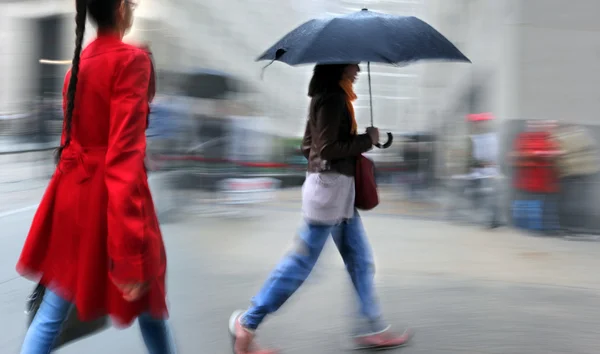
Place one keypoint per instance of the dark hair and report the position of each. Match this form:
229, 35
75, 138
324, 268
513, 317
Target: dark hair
326, 78
102, 12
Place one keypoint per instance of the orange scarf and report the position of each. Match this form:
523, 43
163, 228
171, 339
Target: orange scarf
346, 85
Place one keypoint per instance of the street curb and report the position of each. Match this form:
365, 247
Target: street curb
17, 211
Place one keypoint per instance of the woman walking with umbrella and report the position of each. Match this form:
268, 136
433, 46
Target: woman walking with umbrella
331, 145
333, 148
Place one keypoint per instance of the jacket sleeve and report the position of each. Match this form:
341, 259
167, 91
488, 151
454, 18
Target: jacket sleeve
127, 243
328, 118
306, 141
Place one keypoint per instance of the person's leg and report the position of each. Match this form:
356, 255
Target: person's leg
492, 193
287, 277
289, 274
535, 215
566, 183
157, 335
351, 241
478, 193
44, 329
550, 224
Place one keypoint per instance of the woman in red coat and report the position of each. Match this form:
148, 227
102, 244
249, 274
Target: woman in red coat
95, 241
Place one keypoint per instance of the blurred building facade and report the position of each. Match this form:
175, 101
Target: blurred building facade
229, 35
226, 35
532, 59
36, 30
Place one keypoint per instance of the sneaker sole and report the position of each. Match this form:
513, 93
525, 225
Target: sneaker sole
377, 349
234, 316
231, 327
410, 334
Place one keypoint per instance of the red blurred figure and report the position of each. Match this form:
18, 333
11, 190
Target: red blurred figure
534, 155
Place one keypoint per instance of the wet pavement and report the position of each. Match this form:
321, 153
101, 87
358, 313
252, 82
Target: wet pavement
463, 289
23, 178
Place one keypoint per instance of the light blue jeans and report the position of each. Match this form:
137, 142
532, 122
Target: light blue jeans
295, 267
52, 312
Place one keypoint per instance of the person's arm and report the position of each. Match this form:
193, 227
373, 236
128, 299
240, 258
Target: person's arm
125, 172
328, 119
306, 141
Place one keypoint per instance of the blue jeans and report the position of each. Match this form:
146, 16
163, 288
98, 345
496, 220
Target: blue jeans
485, 196
52, 312
295, 267
550, 215
537, 211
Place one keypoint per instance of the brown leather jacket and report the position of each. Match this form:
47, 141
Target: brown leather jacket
328, 143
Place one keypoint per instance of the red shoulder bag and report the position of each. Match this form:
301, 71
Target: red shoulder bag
366, 196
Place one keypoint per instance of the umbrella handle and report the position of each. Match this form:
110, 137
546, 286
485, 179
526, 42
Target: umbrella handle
388, 143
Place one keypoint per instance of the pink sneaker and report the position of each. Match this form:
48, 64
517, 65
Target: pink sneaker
243, 338
382, 340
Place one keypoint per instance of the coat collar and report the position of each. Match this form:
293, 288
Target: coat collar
104, 42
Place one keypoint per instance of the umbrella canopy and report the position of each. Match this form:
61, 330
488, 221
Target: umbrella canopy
363, 36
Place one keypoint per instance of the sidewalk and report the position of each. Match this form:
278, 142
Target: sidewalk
462, 289
10, 145
23, 176
20, 194
408, 242
406, 246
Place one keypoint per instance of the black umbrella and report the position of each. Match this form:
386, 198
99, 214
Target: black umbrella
363, 36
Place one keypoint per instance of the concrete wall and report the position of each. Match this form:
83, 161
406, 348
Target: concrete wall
484, 31
19, 49
228, 35
538, 59
16, 83
559, 66
532, 59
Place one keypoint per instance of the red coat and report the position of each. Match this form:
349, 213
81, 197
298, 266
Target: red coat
536, 173
96, 220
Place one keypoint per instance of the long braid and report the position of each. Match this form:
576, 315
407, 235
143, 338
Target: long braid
80, 19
